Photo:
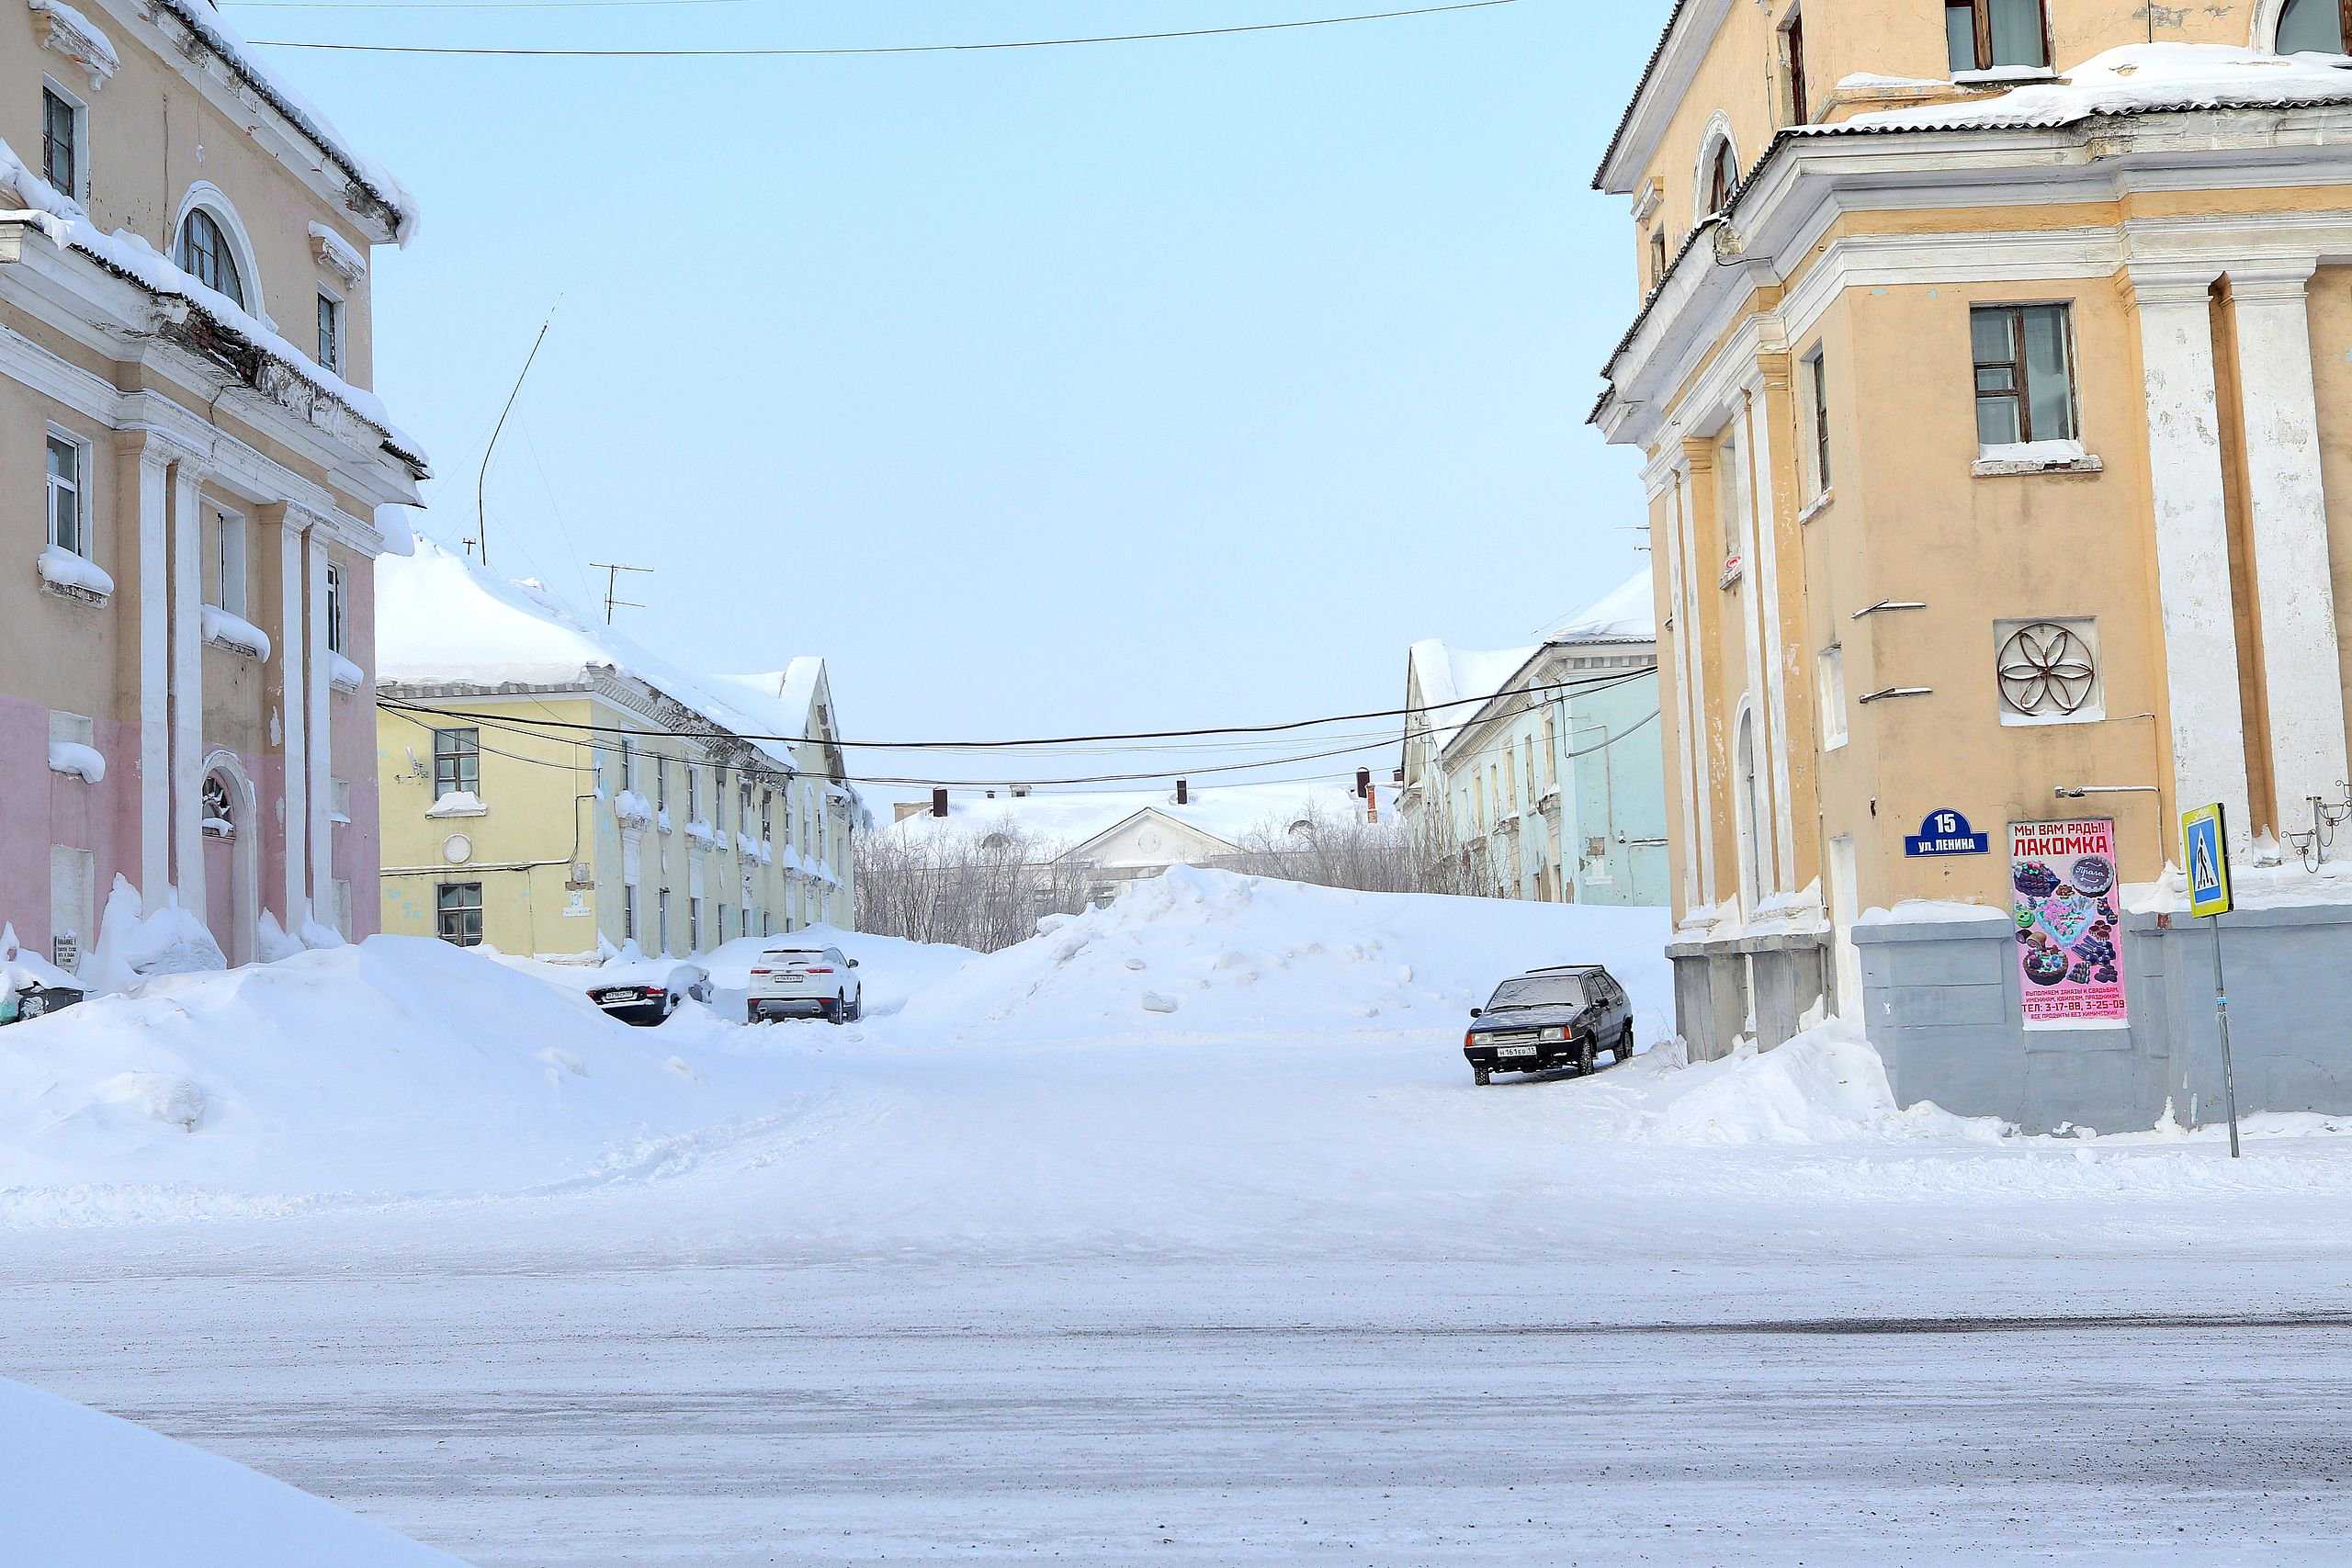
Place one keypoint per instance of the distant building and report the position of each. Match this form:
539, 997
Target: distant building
1542, 765
1102, 841
550, 787
193, 467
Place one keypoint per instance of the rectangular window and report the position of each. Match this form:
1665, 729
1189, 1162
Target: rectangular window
629, 773
1987, 35
334, 609
693, 925
61, 142
457, 761
694, 795
661, 920
1816, 397
339, 801
459, 911
68, 510
660, 782
767, 817
227, 566
628, 911
1831, 680
1792, 44
1657, 256
331, 334
2024, 374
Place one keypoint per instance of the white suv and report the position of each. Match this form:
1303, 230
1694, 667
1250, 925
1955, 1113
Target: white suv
794, 982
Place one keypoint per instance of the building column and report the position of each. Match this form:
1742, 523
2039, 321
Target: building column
188, 687
2192, 542
1691, 639
294, 703
1770, 385
154, 678
318, 736
2287, 506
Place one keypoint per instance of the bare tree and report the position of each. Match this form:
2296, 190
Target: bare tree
983, 888
1334, 848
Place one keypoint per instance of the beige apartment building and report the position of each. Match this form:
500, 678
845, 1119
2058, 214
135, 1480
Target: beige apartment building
190, 472
1992, 388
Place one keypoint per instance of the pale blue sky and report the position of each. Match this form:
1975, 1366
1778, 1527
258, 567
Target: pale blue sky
1119, 387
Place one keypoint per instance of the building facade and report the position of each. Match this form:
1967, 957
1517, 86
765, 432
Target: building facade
185, 641
1991, 384
1552, 788
550, 788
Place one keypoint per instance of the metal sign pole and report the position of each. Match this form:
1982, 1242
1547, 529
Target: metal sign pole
2222, 1015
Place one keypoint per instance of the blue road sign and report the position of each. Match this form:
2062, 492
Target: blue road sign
1946, 833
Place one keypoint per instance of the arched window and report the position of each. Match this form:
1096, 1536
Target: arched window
1749, 815
205, 255
2313, 27
218, 821
1723, 178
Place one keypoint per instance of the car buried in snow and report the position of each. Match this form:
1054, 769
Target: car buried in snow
650, 990
806, 982
1563, 1016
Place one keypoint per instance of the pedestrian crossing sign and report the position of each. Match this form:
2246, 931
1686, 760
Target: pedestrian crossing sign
2208, 853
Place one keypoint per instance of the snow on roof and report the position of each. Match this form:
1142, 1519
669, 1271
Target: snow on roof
1627, 613
1456, 680
441, 619
2140, 78
1230, 812
372, 178
131, 256
793, 688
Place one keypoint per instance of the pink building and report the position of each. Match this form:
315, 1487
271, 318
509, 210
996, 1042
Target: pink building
190, 472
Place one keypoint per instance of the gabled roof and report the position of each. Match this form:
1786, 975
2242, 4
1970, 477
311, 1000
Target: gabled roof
1627, 613
1221, 846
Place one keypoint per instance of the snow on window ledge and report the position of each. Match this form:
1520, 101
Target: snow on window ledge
632, 809
458, 802
74, 759
2004, 75
2034, 457
74, 576
342, 674
1816, 506
224, 629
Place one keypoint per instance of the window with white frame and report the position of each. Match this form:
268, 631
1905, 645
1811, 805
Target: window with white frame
204, 253
1995, 35
1830, 681
1813, 379
2024, 361
69, 501
331, 334
456, 762
334, 609
2048, 671
225, 567
63, 130
458, 906
660, 782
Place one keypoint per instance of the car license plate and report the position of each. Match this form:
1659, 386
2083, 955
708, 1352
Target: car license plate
1514, 1050
620, 996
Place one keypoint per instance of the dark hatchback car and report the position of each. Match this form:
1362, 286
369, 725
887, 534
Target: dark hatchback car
1561, 1017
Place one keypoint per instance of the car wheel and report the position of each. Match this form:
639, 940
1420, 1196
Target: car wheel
750, 1012
1624, 1051
857, 1006
1587, 1056
833, 1010
1483, 1076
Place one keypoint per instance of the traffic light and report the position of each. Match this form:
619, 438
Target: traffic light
939, 803
1183, 793
1364, 784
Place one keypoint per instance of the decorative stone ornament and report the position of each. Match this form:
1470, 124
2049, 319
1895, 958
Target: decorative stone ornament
2046, 669
66, 31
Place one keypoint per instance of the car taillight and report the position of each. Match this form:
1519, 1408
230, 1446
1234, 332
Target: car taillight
760, 971
1470, 1037
655, 991
816, 971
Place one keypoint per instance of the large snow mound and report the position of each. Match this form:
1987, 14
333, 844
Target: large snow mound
85, 1490
1244, 952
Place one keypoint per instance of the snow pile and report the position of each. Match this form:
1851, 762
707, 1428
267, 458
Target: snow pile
77, 761
2258, 886
134, 944
85, 1490
344, 674
1249, 953
631, 810
1827, 1086
2141, 78
1627, 613
63, 568
458, 802
20, 968
225, 629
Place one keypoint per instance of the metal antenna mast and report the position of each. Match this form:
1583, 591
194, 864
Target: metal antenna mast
482, 476
612, 570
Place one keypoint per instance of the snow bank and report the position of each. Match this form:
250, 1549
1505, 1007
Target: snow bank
134, 944
85, 1490
1827, 1086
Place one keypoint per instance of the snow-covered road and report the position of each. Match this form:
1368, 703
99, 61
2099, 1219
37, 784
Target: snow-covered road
1021, 1269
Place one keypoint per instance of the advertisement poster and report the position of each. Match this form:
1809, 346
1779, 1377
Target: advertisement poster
2062, 881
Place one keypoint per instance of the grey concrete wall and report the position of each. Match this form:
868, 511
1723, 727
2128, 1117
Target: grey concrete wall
1941, 1002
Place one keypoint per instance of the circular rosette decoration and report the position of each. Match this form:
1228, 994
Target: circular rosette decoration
2046, 670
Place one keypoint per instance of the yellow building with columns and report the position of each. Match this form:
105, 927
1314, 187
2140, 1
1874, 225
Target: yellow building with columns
1992, 388
550, 787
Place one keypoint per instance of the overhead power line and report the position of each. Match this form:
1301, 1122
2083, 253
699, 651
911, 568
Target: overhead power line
808, 53
1577, 683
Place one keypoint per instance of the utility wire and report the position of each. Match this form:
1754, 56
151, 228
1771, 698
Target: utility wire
858, 48
1578, 684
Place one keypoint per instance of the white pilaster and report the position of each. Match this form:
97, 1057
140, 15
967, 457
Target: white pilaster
188, 688
2192, 541
1689, 641
295, 699
1764, 580
318, 735
2287, 506
1686, 782
154, 678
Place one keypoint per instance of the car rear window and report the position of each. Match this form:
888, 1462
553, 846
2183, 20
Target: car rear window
1539, 991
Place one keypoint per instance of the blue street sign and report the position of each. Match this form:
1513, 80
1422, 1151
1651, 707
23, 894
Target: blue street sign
2208, 853
1946, 833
